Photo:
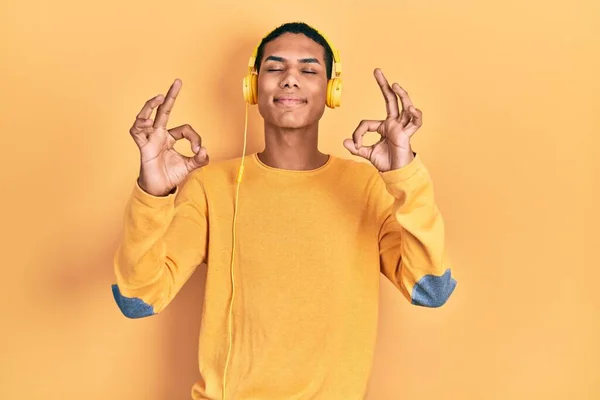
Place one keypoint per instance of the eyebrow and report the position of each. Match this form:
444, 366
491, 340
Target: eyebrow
301, 60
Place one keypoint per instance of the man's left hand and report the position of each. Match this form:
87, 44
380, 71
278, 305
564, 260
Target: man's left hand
393, 150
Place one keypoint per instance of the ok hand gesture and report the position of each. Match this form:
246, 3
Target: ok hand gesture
162, 167
393, 150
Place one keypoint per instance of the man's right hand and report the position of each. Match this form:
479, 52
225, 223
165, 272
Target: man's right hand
162, 167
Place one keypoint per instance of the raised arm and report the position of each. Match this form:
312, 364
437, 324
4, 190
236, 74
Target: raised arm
165, 222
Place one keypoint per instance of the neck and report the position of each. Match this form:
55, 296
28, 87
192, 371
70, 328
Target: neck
292, 149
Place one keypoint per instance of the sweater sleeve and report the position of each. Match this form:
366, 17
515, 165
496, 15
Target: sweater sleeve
412, 248
164, 240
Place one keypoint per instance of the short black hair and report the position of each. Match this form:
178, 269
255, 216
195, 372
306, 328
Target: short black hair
302, 28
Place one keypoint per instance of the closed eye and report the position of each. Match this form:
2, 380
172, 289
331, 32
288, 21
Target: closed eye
276, 70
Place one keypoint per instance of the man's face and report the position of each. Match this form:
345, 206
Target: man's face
292, 81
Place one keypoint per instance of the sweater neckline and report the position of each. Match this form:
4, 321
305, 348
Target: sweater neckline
301, 172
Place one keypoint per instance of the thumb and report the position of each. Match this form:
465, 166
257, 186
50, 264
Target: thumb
350, 146
363, 151
199, 159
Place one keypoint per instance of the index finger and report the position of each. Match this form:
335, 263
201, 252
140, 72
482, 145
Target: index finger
162, 114
391, 101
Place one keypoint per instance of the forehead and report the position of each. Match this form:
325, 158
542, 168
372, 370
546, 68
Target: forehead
294, 45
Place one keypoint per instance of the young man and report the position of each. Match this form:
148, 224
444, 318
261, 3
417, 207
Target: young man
313, 233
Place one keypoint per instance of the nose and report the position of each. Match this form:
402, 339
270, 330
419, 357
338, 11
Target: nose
289, 80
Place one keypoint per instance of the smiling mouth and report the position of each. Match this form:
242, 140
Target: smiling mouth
289, 102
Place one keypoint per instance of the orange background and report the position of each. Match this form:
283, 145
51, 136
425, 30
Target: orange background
510, 96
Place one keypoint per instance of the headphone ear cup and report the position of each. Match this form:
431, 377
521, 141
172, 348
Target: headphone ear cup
334, 92
250, 87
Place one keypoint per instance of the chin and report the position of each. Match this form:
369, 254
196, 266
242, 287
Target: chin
289, 122
286, 120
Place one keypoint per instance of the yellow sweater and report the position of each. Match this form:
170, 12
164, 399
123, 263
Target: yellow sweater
310, 247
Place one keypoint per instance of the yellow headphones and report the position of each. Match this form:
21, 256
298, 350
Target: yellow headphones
334, 93
334, 85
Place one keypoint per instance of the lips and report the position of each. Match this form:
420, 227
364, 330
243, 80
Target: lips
289, 100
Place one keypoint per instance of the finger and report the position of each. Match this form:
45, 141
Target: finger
391, 101
199, 159
405, 101
162, 114
186, 131
416, 120
363, 127
364, 151
140, 125
146, 111
140, 129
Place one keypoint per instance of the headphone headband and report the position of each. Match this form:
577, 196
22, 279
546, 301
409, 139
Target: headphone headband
337, 64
